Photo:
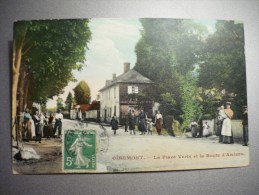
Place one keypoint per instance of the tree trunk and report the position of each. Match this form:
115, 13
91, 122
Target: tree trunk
26, 90
16, 72
21, 90
17, 58
20, 101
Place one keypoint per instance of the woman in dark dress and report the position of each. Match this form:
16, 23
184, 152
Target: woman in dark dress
142, 122
132, 122
36, 120
159, 122
50, 126
114, 124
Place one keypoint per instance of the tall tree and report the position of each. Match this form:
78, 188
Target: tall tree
44, 55
69, 101
192, 110
82, 93
223, 64
60, 104
169, 50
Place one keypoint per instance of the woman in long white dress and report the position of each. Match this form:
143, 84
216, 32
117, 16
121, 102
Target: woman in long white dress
205, 129
77, 148
226, 130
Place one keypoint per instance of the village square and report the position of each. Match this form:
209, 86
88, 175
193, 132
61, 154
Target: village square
93, 100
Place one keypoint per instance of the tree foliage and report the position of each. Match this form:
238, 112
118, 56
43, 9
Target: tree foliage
60, 104
167, 51
44, 55
69, 101
194, 72
223, 64
82, 93
192, 110
52, 49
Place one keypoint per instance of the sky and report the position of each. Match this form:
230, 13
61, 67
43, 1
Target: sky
113, 43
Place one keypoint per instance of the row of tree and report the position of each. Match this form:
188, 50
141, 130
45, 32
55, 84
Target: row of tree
194, 71
44, 55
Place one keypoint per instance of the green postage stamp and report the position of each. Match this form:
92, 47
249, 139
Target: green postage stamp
79, 150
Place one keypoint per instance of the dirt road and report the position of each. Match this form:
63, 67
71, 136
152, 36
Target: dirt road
132, 153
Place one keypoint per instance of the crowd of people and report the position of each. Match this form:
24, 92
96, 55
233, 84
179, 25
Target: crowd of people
224, 126
139, 120
38, 125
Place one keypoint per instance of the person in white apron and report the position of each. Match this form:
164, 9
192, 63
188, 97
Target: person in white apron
226, 131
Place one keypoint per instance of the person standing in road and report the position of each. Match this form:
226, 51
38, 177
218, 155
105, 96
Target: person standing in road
205, 129
58, 123
42, 122
131, 122
126, 122
226, 131
114, 124
221, 117
159, 122
36, 120
142, 123
194, 126
245, 126
26, 123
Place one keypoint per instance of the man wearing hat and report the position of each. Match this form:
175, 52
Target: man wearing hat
226, 130
245, 126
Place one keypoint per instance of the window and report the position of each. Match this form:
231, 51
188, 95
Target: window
114, 92
132, 89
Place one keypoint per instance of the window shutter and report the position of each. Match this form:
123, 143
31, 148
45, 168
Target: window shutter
136, 89
129, 89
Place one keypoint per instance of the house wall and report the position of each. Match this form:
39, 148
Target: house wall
126, 103
109, 99
72, 114
124, 89
113, 101
91, 114
75, 114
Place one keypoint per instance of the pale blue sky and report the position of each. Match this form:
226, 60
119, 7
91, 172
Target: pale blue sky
113, 43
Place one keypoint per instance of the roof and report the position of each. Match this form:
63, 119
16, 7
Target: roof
83, 107
95, 105
131, 76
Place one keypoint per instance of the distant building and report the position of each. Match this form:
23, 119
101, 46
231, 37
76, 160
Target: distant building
122, 93
78, 111
86, 111
93, 112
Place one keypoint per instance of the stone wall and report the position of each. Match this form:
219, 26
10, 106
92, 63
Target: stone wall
237, 127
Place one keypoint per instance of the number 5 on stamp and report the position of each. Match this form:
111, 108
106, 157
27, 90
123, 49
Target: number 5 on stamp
79, 150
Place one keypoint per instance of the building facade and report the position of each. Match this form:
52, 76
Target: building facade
124, 93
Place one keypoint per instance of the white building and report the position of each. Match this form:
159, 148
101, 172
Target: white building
119, 95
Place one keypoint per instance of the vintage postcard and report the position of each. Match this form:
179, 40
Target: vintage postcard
106, 95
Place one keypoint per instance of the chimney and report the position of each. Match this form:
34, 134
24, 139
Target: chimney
107, 82
113, 76
126, 67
